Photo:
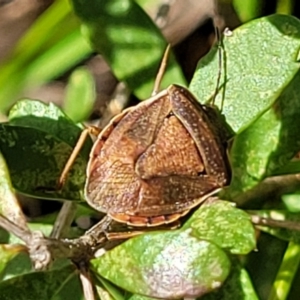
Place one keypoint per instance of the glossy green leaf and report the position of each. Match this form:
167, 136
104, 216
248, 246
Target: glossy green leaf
56, 284
107, 291
36, 145
7, 253
35, 170
19, 115
9, 205
34, 114
81, 95
166, 265
132, 45
18, 265
103, 294
259, 62
269, 143
237, 286
226, 226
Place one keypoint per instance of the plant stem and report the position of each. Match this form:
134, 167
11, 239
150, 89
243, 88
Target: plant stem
286, 272
64, 220
269, 222
284, 6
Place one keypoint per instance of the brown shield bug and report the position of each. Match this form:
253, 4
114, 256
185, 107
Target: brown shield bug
156, 161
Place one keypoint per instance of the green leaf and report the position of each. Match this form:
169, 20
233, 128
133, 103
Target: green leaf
286, 273
81, 95
9, 205
35, 114
259, 62
103, 294
36, 169
7, 253
260, 103
268, 144
56, 284
18, 265
36, 145
107, 291
263, 264
135, 54
166, 265
237, 286
226, 226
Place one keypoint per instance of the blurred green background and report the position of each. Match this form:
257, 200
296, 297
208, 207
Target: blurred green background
41, 45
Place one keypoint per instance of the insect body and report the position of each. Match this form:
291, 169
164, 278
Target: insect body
156, 161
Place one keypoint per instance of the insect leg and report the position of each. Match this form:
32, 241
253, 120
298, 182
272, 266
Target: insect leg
84, 134
161, 71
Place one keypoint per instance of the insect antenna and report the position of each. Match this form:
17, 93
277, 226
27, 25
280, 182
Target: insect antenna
219, 45
161, 71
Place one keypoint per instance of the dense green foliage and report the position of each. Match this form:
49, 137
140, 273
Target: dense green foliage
212, 252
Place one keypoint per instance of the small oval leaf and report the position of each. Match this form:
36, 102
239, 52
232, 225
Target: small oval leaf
36, 160
165, 265
44, 117
259, 61
36, 145
225, 225
267, 144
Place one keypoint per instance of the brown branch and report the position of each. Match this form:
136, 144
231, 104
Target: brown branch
44, 250
64, 219
262, 221
86, 282
269, 188
22, 233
